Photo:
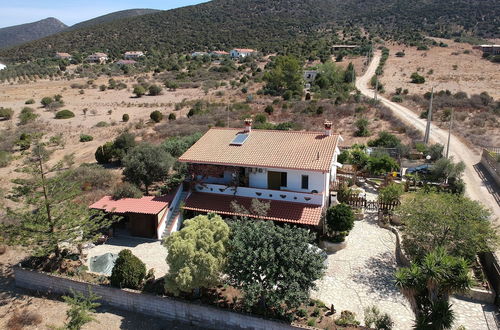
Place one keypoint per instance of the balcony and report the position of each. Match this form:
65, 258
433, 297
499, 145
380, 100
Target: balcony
278, 195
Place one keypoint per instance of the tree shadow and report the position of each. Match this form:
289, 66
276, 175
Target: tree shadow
377, 273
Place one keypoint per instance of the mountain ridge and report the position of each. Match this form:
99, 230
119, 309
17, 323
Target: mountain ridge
222, 24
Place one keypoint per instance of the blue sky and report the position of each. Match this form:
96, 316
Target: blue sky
14, 12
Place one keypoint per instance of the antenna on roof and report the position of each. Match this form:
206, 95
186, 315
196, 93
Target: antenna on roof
317, 156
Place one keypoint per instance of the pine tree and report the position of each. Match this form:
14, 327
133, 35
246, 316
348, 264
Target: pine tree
52, 213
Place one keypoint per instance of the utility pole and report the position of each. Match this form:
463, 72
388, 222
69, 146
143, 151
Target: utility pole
449, 135
429, 119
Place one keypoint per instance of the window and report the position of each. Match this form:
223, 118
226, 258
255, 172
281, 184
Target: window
305, 182
283, 179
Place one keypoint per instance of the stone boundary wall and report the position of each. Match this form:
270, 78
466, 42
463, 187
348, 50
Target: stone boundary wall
147, 304
491, 165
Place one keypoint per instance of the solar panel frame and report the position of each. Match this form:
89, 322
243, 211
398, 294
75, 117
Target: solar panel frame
239, 139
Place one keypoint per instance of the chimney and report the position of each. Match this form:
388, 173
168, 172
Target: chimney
328, 128
248, 125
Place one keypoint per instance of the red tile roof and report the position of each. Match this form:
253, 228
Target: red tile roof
144, 205
312, 151
295, 213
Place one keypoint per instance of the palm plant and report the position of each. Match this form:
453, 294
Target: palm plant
429, 283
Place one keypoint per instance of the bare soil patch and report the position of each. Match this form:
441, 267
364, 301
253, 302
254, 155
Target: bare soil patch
457, 67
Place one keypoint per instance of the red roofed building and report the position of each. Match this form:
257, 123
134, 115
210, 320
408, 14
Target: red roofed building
145, 217
242, 52
291, 170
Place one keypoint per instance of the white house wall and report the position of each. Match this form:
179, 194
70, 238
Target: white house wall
294, 180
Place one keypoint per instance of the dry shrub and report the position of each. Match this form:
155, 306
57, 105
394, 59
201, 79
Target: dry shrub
3, 249
24, 318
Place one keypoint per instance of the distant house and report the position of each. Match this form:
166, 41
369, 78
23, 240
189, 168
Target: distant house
339, 47
126, 62
63, 56
242, 52
219, 53
196, 54
290, 170
97, 58
133, 55
310, 75
489, 49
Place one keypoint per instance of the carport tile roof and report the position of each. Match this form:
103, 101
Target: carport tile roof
296, 213
144, 205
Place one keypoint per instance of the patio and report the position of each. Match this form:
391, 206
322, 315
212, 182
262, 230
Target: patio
361, 275
151, 252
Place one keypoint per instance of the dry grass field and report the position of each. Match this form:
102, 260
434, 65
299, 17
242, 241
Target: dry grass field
457, 68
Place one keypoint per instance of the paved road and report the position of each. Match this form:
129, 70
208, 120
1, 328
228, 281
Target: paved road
476, 187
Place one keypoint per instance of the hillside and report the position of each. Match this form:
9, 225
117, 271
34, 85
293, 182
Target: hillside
18, 34
113, 16
271, 25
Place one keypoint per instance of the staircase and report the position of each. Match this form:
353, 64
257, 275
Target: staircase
174, 214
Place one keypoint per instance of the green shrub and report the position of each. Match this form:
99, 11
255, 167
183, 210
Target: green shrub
339, 218
139, 91
46, 101
385, 140
381, 164
416, 78
154, 90
362, 127
156, 116
125, 117
301, 312
5, 158
311, 322
269, 109
105, 153
102, 124
126, 190
6, 113
172, 116
30, 101
397, 98
128, 272
27, 115
347, 318
64, 114
260, 118
102, 88
390, 193
375, 319
400, 54
86, 138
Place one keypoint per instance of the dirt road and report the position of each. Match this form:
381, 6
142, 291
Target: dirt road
476, 188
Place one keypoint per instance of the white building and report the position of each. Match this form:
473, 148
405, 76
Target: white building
97, 58
2, 66
196, 54
292, 170
310, 75
63, 56
242, 52
133, 55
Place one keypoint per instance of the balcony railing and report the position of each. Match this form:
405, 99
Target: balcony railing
278, 195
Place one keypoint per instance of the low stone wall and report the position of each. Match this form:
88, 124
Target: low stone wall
491, 165
150, 305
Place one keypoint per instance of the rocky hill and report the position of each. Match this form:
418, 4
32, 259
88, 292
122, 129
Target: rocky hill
18, 34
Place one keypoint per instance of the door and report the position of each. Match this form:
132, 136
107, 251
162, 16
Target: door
273, 180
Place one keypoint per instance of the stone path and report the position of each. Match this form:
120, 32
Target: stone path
361, 275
